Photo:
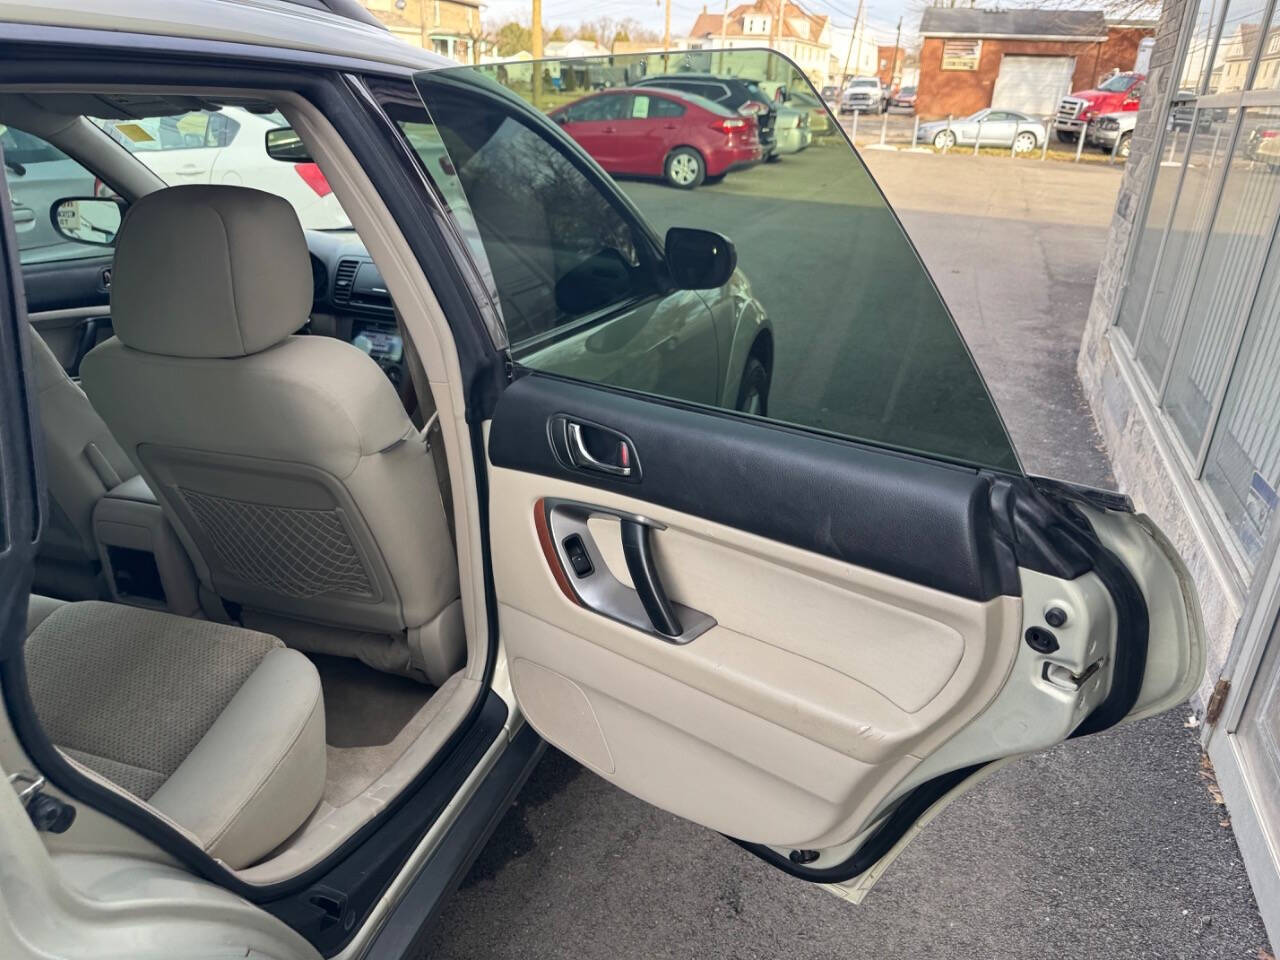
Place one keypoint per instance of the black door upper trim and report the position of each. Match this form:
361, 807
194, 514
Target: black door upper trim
919, 520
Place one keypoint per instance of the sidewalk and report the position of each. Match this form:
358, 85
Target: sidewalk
1108, 848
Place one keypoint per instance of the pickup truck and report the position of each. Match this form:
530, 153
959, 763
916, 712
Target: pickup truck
1120, 93
1103, 132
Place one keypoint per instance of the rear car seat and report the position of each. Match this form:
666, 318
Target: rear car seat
218, 728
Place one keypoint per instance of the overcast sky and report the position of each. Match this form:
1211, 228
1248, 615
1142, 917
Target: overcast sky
881, 15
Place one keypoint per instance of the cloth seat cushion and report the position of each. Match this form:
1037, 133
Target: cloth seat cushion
219, 728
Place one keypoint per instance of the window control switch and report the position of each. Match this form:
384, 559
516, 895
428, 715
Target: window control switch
576, 551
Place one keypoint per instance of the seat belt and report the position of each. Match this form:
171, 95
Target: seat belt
430, 432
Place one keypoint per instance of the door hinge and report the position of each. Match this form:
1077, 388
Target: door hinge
48, 813
1213, 709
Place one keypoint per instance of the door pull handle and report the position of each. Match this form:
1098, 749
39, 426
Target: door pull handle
645, 579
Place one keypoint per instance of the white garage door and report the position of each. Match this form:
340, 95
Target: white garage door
1033, 85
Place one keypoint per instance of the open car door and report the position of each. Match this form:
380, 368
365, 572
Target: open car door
807, 613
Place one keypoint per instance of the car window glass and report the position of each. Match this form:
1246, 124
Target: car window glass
39, 175
662, 107
1117, 84
595, 109
558, 249
188, 131
228, 146
830, 321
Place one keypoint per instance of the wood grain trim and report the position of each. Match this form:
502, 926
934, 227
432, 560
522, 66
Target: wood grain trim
549, 551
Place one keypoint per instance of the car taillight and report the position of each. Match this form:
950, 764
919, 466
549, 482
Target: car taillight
728, 125
311, 175
753, 108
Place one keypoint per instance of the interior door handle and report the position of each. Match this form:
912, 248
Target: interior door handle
582, 457
645, 579
585, 577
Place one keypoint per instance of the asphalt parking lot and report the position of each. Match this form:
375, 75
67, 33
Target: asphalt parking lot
1109, 847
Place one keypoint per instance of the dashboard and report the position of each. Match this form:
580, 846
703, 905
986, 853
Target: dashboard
351, 302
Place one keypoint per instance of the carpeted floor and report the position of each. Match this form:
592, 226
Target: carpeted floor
370, 718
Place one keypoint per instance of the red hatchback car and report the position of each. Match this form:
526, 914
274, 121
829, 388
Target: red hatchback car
680, 137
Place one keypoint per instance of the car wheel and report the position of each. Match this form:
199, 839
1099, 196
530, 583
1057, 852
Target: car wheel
1066, 136
753, 393
1025, 142
1122, 151
944, 139
684, 168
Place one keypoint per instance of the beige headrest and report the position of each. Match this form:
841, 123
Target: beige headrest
209, 271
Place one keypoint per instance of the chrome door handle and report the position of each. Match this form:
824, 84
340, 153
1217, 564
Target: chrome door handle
582, 456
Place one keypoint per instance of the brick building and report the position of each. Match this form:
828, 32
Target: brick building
891, 60
450, 28
1180, 362
1023, 60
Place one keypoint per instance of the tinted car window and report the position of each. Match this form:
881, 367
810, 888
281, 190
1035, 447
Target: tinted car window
557, 247
830, 308
605, 107
662, 107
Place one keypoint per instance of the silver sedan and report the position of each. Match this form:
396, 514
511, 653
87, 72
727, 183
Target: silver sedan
996, 128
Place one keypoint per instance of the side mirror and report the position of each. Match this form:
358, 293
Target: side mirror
560, 118
284, 144
699, 259
91, 220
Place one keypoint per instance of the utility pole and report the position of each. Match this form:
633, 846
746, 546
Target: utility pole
853, 36
535, 40
775, 33
666, 39
897, 45
724, 29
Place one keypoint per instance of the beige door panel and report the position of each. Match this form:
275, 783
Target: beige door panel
817, 690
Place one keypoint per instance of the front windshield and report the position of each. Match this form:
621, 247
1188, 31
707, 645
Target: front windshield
228, 146
1117, 84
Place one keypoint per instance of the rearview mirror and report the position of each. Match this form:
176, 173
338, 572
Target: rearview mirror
284, 144
91, 220
699, 259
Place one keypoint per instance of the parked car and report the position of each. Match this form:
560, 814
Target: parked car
739, 94
996, 128
831, 93
1112, 131
791, 128
905, 98
38, 175
681, 138
1120, 93
228, 147
819, 114
1263, 146
862, 95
